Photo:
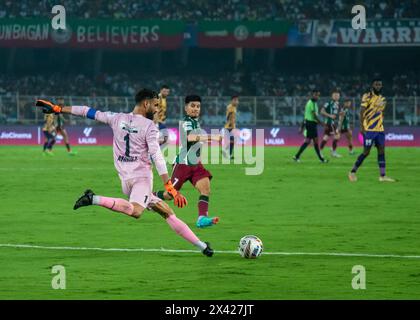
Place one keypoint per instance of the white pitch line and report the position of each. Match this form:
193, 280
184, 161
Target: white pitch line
335, 254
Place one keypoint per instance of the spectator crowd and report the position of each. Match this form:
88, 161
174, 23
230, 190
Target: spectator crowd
226, 84
193, 10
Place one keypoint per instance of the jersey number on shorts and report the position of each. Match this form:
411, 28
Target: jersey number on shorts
127, 145
368, 142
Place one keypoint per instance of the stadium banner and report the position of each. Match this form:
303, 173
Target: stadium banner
242, 34
272, 136
339, 33
92, 33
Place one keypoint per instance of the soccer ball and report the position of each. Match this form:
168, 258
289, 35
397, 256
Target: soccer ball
250, 247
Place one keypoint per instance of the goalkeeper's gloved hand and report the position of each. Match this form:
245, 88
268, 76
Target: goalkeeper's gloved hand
48, 107
179, 200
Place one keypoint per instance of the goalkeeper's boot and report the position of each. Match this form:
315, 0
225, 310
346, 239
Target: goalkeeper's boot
85, 200
208, 251
386, 179
204, 222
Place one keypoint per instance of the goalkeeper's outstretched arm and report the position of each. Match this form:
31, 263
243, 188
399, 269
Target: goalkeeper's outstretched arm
81, 111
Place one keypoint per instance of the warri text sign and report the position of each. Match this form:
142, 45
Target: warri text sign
377, 33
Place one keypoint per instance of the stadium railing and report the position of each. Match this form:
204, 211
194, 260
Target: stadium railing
252, 111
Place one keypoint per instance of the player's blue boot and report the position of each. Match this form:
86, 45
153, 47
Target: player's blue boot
204, 222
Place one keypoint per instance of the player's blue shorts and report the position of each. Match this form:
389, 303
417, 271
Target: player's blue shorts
161, 126
371, 138
163, 131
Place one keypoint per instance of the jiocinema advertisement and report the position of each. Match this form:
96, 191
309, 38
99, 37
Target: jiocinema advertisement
251, 136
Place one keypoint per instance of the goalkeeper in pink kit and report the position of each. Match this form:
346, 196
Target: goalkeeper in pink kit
135, 144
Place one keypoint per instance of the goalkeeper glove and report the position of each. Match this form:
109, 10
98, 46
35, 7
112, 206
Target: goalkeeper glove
179, 200
48, 107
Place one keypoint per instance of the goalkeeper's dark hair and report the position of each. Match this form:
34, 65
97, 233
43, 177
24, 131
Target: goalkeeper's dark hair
145, 94
192, 97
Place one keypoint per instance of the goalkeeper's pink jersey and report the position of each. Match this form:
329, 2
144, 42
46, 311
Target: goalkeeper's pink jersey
135, 142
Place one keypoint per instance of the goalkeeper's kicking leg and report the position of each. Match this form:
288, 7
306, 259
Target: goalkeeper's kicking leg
135, 210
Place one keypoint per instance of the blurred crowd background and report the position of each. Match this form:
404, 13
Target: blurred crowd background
214, 9
224, 84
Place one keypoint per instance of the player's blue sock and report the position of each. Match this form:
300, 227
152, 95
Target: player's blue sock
382, 164
358, 163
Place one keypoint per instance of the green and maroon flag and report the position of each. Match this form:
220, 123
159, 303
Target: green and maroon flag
243, 34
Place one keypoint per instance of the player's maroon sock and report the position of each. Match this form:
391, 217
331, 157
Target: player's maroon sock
68, 147
382, 164
350, 147
114, 204
323, 143
203, 205
302, 148
358, 163
334, 144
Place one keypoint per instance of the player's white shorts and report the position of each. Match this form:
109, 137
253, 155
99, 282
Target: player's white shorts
139, 190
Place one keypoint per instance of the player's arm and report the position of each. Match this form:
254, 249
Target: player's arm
81, 111
204, 137
363, 106
302, 126
160, 164
326, 114
191, 136
341, 116
229, 116
315, 114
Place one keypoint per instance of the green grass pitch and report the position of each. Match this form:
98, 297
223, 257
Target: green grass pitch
295, 208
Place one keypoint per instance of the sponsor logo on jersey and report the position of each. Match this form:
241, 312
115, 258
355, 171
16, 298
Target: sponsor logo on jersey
125, 126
